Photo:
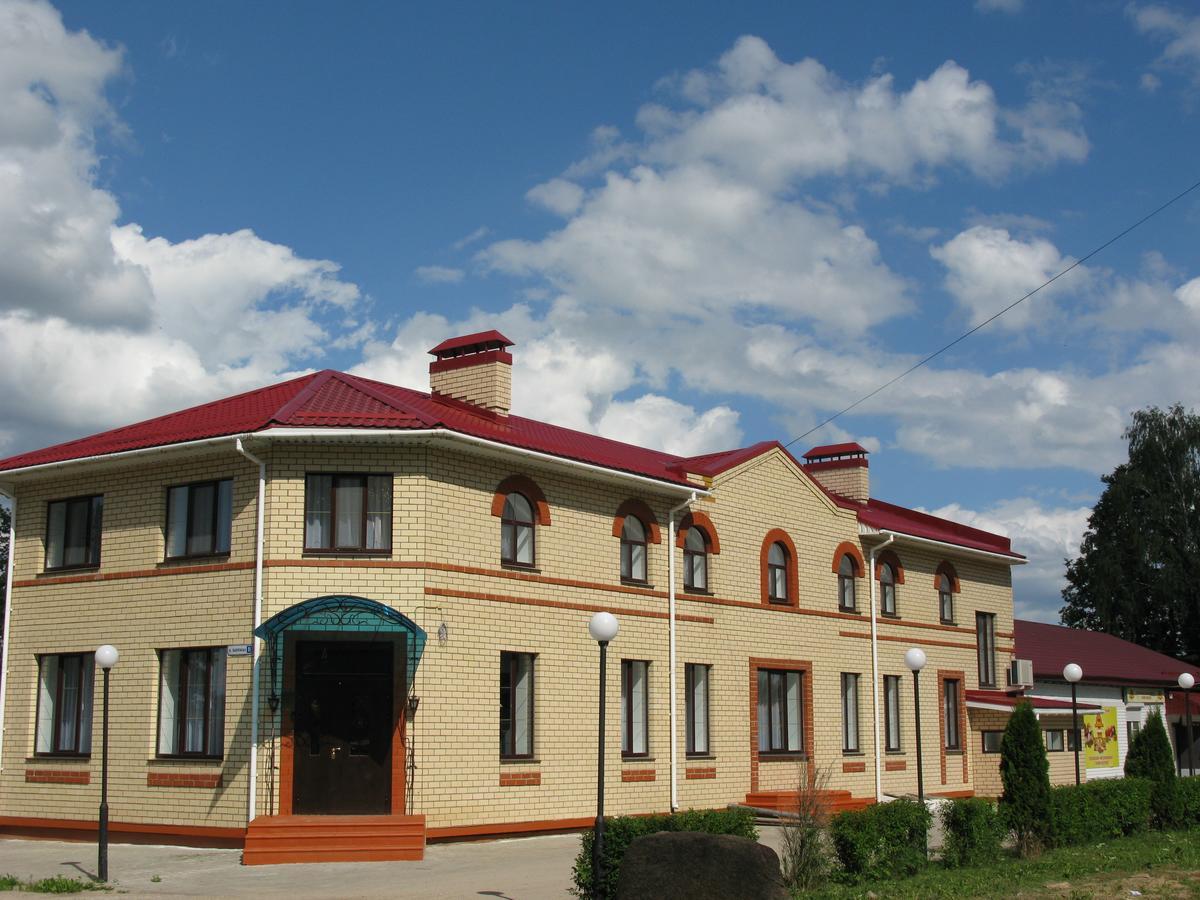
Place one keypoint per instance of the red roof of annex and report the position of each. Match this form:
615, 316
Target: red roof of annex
1104, 658
329, 399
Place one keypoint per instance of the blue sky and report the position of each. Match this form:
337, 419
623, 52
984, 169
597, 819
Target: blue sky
703, 226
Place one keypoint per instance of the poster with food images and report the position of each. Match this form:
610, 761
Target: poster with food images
1100, 738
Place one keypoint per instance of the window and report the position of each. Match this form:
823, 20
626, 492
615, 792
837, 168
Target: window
696, 677
191, 705
73, 532
1132, 727
849, 712
780, 711
516, 531
887, 589
635, 707
777, 573
991, 741
695, 560
846, 575
1054, 740
516, 705
891, 712
950, 688
633, 549
945, 599
985, 642
64, 718
1072, 739
349, 513
199, 517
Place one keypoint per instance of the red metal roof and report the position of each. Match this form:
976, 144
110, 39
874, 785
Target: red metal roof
1177, 705
1104, 658
1010, 701
330, 399
479, 339
835, 450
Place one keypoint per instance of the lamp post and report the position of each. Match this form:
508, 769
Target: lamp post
1187, 681
1072, 672
914, 658
603, 628
106, 658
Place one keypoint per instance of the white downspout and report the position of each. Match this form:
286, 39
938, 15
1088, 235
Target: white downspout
8, 586
252, 807
671, 641
875, 672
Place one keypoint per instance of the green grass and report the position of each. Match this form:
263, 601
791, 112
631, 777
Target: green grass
59, 884
1152, 852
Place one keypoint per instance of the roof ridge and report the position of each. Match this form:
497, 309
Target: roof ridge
367, 386
289, 409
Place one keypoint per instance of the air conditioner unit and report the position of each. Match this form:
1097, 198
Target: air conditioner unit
1020, 673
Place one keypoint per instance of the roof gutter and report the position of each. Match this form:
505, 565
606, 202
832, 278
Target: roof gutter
125, 454
869, 531
8, 584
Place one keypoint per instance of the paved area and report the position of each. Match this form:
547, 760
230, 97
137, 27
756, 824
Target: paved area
531, 868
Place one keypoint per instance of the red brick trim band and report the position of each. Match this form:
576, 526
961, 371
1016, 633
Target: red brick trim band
779, 536
845, 548
126, 832
638, 774
521, 484
559, 604
135, 573
520, 779
854, 767
183, 779
895, 765
471, 359
889, 556
695, 772
932, 643
699, 520
639, 510
58, 776
854, 462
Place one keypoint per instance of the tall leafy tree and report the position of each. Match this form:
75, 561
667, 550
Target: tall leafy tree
1138, 571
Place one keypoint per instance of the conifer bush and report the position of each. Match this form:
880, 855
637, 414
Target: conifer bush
1025, 773
972, 830
1150, 756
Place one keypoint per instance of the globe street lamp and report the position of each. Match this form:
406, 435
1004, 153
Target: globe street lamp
1073, 673
106, 658
914, 658
603, 628
1187, 681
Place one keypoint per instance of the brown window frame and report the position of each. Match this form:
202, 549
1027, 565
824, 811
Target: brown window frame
689, 555
891, 738
845, 581
887, 589
945, 599
627, 546
780, 578
93, 529
770, 749
627, 751
952, 739
182, 694
192, 486
983, 736
85, 659
362, 549
851, 723
511, 660
511, 525
689, 675
1062, 736
985, 648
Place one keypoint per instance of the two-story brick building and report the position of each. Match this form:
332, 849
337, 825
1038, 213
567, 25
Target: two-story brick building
414, 573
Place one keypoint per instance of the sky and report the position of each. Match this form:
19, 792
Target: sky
702, 225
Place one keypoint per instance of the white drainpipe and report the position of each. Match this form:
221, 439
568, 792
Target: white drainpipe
8, 585
671, 632
875, 672
258, 596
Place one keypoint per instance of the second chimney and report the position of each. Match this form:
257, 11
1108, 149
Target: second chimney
841, 469
476, 369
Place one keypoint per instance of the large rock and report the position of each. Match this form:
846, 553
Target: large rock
690, 865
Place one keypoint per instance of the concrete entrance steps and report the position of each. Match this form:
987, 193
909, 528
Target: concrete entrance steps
785, 801
300, 839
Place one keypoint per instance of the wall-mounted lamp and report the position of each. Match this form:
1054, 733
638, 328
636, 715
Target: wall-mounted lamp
413, 702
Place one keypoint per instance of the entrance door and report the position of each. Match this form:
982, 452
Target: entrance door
343, 722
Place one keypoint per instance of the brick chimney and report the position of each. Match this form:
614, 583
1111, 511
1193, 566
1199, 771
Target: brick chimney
476, 369
841, 469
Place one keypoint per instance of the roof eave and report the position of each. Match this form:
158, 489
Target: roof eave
1015, 559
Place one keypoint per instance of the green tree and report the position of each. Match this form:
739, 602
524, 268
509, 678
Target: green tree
1139, 562
1025, 773
1150, 757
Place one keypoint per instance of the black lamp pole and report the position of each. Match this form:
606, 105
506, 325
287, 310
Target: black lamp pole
917, 710
1191, 736
598, 882
1075, 736
102, 867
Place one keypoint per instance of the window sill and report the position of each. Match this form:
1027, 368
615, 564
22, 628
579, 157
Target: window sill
635, 758
888, 615
68, 570
520, 761
697, 757
633, 582
949, 622
777, 756
700, 592
59, 757
195, 558
895, 753
850, 611
185, 760
309, 552
957, 751
853, 754
520, 567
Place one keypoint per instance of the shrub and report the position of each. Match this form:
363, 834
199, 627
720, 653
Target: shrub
1150, 757
972, 831
1189, 801
1025, 772
886, 840
806, 861
621, 831
1098, 810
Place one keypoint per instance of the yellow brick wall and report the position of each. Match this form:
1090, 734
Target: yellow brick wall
486, 384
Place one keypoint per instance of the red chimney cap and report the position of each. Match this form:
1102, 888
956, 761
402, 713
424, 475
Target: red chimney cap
471, 343
833, 450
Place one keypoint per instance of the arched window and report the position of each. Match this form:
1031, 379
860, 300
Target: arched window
516, 531
945, 598
695, 560
633, 549
777, 573
847, 570
887, 589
